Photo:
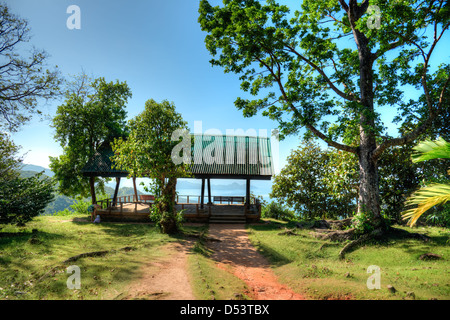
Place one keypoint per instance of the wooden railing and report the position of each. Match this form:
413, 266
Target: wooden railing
109, 203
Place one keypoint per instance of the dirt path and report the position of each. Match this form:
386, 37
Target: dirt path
235, 250
165, 279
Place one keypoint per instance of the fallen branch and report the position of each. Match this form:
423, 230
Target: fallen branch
202, 237
96, 254
288, 232
83, 255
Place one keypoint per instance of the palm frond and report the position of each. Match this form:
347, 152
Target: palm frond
428, 150
426, 198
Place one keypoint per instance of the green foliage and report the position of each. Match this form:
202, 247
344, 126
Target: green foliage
321, 65
292, 61
317, 183
398, 178
22, 199
80, 206
429, 150
9, 164
147, 152
24, 81
92, 115
434, 194
277, 211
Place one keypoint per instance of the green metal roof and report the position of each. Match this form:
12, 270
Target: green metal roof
213, 156
101, 165
222, 155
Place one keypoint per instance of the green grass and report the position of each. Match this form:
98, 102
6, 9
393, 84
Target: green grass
31, 266
317, 272
209, 282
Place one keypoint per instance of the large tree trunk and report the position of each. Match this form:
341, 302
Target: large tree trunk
369, 194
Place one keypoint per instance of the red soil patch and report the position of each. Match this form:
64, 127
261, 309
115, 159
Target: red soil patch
236, 251
166, 278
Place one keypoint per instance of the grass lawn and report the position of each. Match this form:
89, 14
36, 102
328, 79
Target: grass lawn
210, 282
314, 269
32, 267
32, 264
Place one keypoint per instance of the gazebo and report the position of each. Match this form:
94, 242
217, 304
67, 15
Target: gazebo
231, 157
212, 157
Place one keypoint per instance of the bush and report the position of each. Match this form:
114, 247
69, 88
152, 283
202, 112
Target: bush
277, 211
80, 206
22, 199
318, 183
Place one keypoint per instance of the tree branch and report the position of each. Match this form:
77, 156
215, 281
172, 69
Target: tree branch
349, 97
330, 142
310, 127
415, 133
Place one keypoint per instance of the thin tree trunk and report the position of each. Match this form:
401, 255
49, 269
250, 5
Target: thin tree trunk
135, 190
92, 185
167, 207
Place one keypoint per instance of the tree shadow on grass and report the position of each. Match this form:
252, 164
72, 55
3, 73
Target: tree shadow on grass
40, 238
274, 256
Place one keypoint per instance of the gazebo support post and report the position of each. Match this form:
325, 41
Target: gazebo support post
247, 194
203, 193
209, 191
116, 191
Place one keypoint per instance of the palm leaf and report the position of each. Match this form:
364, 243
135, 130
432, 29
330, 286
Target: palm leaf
428, 150
426, 198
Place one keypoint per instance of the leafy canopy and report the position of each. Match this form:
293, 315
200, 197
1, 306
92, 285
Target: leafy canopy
304, 67
21, 199
24, 81
92, 115
147, 152
434, 194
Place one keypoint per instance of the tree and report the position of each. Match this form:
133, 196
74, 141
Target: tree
23, 81
317, 183
434, 194
21, 199
147, 152
92, 115
303, 71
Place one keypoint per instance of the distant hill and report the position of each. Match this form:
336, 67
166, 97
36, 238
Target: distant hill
62, 202
184, 187
32, 167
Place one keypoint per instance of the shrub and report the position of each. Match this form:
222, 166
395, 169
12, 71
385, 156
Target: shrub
277, 211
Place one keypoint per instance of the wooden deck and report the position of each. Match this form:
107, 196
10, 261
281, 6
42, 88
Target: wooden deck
140, 212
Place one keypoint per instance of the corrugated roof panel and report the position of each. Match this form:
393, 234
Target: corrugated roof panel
211, 155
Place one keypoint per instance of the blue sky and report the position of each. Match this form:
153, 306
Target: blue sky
156, 46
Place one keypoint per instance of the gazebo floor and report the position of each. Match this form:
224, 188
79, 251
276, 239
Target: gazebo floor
192, 213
